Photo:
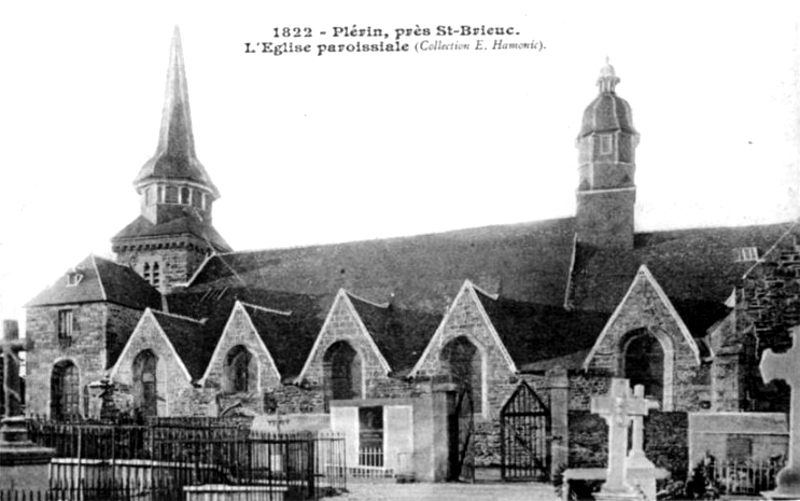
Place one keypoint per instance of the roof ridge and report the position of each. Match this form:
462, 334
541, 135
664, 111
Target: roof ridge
265, 309
99, 277
396, 237
364, 300
180, 317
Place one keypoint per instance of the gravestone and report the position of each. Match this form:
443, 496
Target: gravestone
23, 465
786, 367
636, 457
640, 471
618, 408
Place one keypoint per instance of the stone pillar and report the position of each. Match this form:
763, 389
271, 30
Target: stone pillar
431, 454
558, 384
23, 465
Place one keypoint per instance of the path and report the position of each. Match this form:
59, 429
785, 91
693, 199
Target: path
386, 490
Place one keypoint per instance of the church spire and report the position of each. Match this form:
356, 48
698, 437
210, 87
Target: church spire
175, 157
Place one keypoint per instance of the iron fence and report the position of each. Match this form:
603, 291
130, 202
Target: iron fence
161, 458
744, 477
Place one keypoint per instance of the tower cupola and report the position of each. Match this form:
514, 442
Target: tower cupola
606, 166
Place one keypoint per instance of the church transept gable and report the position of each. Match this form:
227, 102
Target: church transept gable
240, 333
646, 339
344, 335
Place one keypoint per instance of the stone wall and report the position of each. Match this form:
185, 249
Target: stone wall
86, 348
173, 384
737, 436
343, 325
665, 441
770, 300
239, 332
465, 319
686, 382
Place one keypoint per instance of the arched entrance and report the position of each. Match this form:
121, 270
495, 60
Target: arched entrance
240, 370
644, 363
462, 361
65, 392
145, 383
343, 372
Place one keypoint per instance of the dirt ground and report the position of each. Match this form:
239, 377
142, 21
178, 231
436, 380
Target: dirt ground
389, 490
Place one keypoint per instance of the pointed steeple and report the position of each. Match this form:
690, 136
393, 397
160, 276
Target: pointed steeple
175, 158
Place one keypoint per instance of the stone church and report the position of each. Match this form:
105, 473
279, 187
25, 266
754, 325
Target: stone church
182, 324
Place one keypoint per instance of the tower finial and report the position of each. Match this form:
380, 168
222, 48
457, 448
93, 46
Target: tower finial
608, 79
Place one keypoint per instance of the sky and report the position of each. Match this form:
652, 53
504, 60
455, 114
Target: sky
309, 148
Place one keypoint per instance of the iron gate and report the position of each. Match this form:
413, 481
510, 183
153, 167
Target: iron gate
461, 428
525, 436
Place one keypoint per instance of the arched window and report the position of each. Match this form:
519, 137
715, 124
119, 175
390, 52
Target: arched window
146, 272
156, 275
644, 363
145, 383
197, 199
461, 360
241, 370
64, 392
172, 194
342, 372
185, 195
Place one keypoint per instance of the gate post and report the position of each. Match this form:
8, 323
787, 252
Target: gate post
558, 384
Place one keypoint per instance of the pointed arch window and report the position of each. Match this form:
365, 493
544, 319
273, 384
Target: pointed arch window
644, 363
156, 275
462, 361
241, 370
64, 392
342, 367
145, 383
146, 272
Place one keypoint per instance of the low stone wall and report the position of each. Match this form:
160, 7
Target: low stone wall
665, 441
756, 436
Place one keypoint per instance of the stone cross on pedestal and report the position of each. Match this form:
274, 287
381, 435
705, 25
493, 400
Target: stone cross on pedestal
23, 465
636, 457
618, 407
786, 366
12, 428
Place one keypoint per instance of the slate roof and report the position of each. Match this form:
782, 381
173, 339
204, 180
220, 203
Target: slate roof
288, 338
289, 341
188, 225
190, 339
103, 280
528, 261
528, 264
400, 334
696, 268
533, 332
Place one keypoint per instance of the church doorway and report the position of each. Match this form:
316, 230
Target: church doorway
64, 392
145, 384
462, 361
644, 363
343, 372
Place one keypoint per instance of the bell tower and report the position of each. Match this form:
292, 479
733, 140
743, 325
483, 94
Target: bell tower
173, 233
606, 166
